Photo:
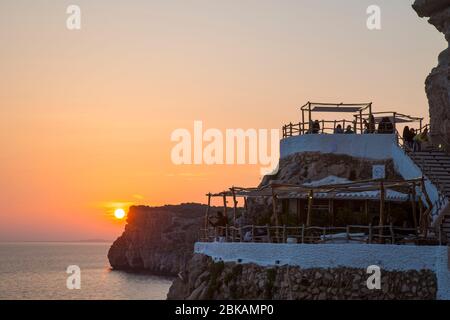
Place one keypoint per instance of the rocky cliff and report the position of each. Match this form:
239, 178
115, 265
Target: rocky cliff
159, 240
437, 83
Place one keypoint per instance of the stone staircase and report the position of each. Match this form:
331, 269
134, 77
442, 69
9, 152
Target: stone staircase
435, 165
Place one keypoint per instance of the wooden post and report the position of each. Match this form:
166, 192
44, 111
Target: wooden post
391, 229
284, 234
331, 211
245, 206
207, 217
225, 210
381, 223
309, 116
366, 210
274, 208
360, 121
413, 204
394, 122
226, 232
310, 203
303, 233
430, 207
421, 223
303, 121
234, 205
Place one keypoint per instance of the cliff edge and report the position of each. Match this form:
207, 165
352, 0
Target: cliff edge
157, 240
437, 83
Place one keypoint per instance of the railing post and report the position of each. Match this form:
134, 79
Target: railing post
391, 228
290, 126
303, 233
268, 233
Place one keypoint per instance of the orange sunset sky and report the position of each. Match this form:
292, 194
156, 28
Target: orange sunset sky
86, 116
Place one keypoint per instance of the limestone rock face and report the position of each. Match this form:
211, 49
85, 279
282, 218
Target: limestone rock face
158, 240
437, 83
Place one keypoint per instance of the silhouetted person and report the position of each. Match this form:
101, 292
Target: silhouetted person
366, 127
316, 127
338, 129
407, 137
419, 139
371, 124
385, 126
349, 130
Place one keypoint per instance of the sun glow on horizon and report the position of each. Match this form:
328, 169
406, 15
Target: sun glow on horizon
119, 214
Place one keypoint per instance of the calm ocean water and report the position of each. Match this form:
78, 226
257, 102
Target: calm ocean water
38, 271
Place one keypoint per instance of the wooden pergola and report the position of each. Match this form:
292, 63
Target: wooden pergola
415, 189
394, 117
311, 107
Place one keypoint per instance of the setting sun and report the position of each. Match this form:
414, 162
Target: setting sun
119, 213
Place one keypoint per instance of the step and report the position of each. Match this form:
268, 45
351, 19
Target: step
429, 156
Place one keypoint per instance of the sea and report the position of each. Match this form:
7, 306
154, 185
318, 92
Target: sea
38, 270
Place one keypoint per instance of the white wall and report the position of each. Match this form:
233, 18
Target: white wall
387, 257
369, 146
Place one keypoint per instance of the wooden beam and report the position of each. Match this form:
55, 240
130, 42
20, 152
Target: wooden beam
225, 210
413, 204
310, 203
275, 212
331, 210
381, 223
366, 210
207, 216
234, 206
421, 218
245, 206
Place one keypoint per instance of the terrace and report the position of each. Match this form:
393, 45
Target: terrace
319, 214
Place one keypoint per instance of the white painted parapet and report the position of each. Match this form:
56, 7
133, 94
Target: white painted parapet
387, 257
368, 146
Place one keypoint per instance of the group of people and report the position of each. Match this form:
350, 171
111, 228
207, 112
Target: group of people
385, 126
413, 139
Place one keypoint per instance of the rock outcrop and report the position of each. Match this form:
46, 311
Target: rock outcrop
205, 279
158, 240
437, 83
